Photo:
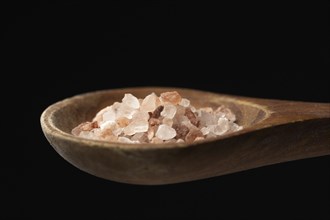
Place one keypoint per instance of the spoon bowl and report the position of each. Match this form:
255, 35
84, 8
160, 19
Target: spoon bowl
273, 131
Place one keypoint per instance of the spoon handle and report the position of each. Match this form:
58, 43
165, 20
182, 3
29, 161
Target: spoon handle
298, 129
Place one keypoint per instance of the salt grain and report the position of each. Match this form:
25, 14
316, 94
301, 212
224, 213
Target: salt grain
165, 132
168, 118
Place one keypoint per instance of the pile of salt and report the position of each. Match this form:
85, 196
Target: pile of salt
168, 118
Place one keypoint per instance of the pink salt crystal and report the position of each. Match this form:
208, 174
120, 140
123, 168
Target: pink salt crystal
131, 101
140, 137
181, 131
192, 117
156, 113
122, 121
186, 122
105, 133
171, 97
154, 121
192, 135
168, 111
156, 140
86, 126
149, 103
165, 132
151, 132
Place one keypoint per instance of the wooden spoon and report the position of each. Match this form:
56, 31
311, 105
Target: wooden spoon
274, 132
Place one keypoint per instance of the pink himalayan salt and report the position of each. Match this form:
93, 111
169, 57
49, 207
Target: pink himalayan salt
165, 119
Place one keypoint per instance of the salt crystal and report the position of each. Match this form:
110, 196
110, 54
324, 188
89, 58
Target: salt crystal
122, 121
199, 138
149, 103
235, 127
107, 125
109, 115
180, 141
170, 97
205, 130
207, 118
136, 126
140, 137
181, 131
157, 112
127, 140
168, 111
226, 112
184, 102
165, 119
165, 132
192, 135
151, 132
222, 127
125, 111
192, 117
156, 140
141, 115
131, 101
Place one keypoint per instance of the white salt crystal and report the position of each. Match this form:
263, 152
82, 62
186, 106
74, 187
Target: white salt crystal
180, 141
207, 118
205, 130
141, 115
107, 125
109, 115
149, 103
222, 127
185, 102
125, 111
165, 132
127, 140
136, 126
168, 121
131, 101
168, 111
199, 139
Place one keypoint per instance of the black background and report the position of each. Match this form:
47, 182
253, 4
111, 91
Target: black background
58, 49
